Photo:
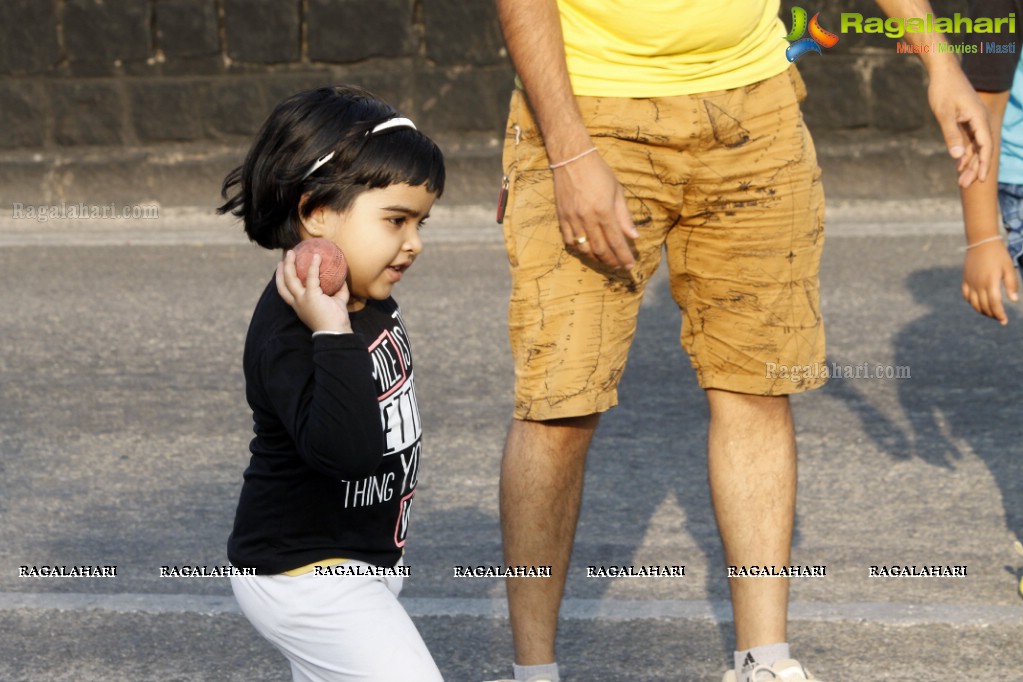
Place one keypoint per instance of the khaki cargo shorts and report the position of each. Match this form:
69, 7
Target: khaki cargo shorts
726, 185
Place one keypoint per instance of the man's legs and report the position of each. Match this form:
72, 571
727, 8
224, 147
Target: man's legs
752, 469
541, 489
570, 326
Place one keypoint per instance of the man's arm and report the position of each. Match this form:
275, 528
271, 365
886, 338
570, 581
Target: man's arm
590, 200
960, 113
532, 31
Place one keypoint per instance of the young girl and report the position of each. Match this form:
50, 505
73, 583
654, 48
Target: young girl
324, 506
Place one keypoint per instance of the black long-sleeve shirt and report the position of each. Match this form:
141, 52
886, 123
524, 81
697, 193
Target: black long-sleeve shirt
335, 457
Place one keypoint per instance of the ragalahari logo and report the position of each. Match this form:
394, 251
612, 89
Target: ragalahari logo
817, 39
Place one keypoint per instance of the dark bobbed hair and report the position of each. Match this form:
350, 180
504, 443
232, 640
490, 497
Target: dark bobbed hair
266, 190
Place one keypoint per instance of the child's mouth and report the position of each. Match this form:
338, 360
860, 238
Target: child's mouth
398, 270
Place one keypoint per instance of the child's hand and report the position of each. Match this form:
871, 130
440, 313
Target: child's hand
318, 311
987, 268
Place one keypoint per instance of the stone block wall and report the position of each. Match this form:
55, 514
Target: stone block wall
79, 73
155, 84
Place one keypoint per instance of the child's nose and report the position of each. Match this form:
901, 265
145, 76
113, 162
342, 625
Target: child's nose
413, 242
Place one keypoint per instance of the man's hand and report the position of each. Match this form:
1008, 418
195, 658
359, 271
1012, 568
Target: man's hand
590, 201
593, 213
962, 117
964, 122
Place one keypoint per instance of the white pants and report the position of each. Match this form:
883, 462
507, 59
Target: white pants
337, 628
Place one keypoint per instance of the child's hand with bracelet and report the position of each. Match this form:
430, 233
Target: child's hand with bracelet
319, 312
987, 267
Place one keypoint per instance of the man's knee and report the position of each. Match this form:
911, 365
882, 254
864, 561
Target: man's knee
744, 406
551, 443
564, 427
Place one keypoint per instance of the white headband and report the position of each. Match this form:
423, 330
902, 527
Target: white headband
397, 122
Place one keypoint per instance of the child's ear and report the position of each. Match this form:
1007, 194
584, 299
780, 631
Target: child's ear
313, 224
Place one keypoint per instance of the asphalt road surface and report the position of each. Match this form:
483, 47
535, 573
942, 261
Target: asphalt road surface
123, 436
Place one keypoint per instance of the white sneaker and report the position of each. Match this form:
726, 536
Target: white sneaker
786, 670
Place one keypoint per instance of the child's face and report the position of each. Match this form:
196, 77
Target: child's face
379, 234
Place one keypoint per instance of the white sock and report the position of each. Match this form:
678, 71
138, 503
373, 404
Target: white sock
547, 672
767, 655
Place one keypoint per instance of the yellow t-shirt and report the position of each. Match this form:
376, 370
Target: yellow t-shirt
660, 48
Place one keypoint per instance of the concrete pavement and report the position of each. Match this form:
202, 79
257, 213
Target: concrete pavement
123, 435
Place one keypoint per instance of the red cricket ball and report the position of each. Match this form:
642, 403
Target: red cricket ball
333, 267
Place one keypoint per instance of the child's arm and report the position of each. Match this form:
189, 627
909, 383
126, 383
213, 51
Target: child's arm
987, 265
332, 415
